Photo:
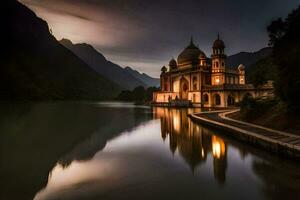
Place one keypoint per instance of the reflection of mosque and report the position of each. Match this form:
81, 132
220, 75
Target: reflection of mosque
193, 142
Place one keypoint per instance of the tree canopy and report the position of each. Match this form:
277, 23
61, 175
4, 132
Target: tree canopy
284, 37
138, 94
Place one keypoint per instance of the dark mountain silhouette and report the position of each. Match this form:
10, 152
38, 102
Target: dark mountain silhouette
247, 58
143, 77
127, 78
37, 66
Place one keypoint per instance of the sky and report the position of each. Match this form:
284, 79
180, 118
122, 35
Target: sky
146, 34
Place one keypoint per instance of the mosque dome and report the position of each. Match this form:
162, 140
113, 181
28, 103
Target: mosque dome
190, 54
218, 43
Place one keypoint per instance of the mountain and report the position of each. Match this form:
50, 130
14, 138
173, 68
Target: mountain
36, 66
128, 79
143, 77
247, 58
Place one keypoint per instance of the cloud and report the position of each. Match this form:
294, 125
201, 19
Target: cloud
147, 34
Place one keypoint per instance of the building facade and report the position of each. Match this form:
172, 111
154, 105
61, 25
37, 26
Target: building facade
193, 80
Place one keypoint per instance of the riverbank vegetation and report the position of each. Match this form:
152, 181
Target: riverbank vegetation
283, 67
139, 95
271, 112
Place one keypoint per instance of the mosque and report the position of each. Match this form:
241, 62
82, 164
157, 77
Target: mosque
194, 81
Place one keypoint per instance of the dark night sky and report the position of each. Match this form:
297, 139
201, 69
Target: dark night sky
147, 34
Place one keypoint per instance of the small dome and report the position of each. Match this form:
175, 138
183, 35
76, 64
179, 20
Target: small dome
218, 43
241, 67
202, 56
173, 63
190, 54
164, 69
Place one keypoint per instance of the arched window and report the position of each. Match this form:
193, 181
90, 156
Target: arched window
217, 100
195, 83
217, 64
205, 98
166, 87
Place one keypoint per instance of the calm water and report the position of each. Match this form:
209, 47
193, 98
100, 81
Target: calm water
131, 152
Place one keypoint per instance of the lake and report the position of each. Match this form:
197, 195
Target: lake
113, 150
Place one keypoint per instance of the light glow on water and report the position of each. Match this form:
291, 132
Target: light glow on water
159, 157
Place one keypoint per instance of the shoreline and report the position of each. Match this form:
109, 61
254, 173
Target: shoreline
278, 142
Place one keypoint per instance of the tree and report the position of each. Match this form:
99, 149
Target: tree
125, 95
149, 93
138, 93
284, 36
260, 72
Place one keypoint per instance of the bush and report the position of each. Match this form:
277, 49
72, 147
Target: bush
138, 94
253, 108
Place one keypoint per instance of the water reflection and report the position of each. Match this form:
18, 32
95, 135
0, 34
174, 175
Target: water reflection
193, 142
36, 136
128, 153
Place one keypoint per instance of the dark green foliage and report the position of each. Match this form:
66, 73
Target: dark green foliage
262, 71
138, 94
125, 95
252, 108
37, 67
149, 93
284, 36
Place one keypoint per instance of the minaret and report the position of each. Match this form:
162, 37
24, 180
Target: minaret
218, 58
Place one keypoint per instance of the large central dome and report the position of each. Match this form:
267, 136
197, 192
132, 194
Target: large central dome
191, 54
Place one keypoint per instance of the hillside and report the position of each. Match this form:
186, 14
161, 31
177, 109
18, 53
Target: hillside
128, 78
36, 66
143, 77
247, 58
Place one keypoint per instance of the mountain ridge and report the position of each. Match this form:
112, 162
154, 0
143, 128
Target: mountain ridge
37, 67
126, 77
247, 58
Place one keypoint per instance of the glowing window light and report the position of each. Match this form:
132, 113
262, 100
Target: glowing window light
217, 80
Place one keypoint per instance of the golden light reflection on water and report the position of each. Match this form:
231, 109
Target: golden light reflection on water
193, 142
218, 147
127, 159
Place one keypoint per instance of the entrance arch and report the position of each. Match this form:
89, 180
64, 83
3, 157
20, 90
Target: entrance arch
230, 100
184, 88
